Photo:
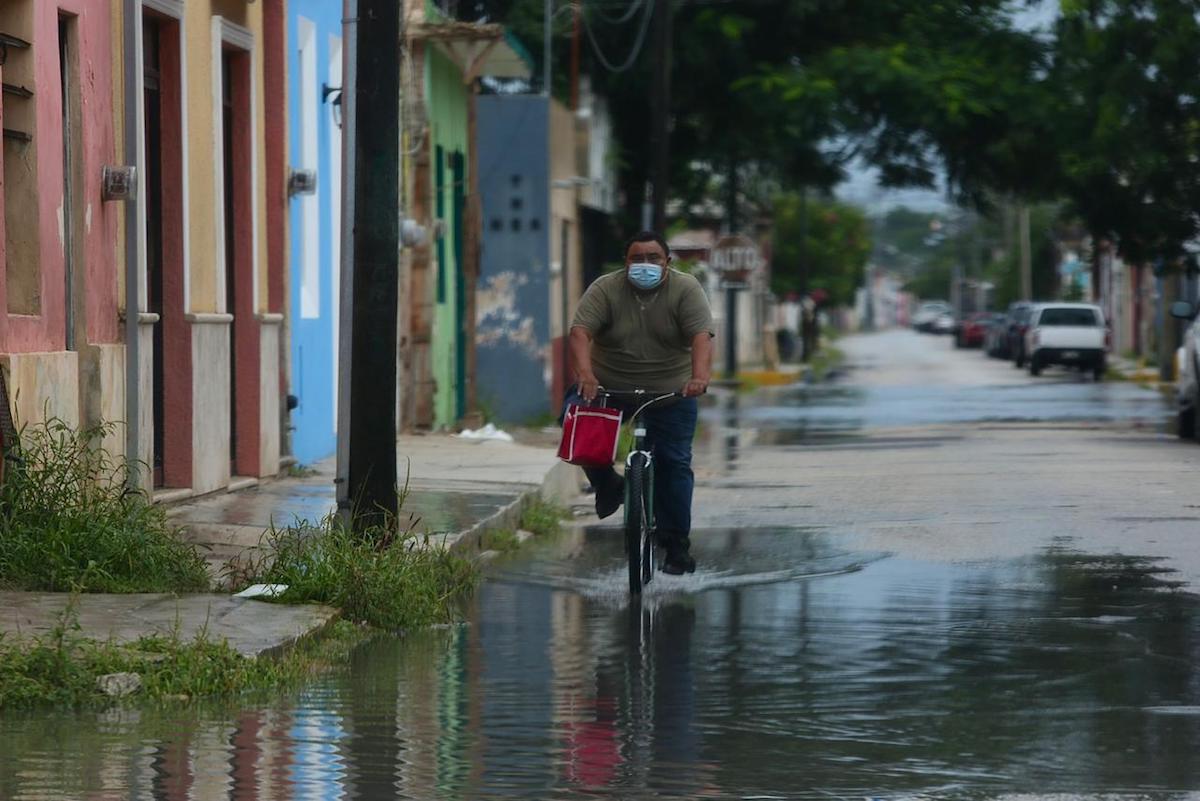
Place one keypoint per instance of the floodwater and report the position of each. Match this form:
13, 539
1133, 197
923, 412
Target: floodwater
787, 667
841, 675
802, 413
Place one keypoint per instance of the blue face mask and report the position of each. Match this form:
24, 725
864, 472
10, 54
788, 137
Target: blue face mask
645, 276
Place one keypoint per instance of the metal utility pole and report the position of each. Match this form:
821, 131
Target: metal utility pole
1026, 255
660, 112
371, 480
345, 300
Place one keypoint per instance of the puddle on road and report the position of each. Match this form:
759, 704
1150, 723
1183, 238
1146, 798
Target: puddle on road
591, 563
842, 415
785, 668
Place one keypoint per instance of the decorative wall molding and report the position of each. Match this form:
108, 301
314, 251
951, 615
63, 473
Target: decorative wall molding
208, 318
148, 318
172, 8
236, 35
270, 318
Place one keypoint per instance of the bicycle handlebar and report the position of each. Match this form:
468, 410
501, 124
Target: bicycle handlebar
637, 393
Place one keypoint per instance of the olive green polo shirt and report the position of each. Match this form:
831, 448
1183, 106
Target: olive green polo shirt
643, 339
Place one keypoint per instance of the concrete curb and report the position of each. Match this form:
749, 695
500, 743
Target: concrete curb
560, 485
507, 517
281, 649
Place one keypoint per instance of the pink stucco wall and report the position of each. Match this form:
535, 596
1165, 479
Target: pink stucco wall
96, 242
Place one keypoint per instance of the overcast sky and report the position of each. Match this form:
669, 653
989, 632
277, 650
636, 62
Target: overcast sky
862, 188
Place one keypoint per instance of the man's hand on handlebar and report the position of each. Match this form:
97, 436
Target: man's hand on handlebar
588, 387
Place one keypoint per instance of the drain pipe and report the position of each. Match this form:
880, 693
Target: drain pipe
131, 62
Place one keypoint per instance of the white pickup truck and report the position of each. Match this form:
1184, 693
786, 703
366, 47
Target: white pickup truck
1069, 334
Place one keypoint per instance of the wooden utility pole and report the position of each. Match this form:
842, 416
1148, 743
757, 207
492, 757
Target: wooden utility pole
372, 456
731, 291
578, 11
660, 111
1026, 255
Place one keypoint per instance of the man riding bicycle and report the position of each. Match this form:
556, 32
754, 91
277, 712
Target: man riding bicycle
648, 327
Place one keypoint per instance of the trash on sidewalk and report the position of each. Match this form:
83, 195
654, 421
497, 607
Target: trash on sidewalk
262, 591
488, 432
119, 685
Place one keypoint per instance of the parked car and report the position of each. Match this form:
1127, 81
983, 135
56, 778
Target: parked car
1187, 363
995, 341
969, 333
945, 323
928, 313
1018, 324
1069, 334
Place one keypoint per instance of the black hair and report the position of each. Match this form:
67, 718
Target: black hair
646, 236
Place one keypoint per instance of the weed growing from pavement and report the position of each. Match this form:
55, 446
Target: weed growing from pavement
825, 361
501, 539
385, 576
62, 668
299, 471
543, 517
72, 523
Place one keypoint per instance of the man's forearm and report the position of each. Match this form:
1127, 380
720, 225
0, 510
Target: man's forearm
702, 351
581, 353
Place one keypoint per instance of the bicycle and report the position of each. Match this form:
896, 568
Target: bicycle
639, 492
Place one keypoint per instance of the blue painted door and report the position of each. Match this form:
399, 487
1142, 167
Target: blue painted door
314, 84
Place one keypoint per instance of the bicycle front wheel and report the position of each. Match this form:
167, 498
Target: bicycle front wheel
637, 521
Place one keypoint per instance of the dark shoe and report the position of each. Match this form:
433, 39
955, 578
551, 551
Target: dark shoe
678, 562
610, 496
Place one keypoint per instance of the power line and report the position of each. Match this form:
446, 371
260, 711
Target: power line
628, 15
637, 44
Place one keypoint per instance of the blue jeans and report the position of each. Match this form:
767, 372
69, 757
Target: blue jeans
670, 429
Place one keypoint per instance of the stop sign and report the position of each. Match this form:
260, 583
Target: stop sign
736, 259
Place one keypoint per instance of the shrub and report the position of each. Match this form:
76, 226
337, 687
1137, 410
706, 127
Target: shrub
382, 577
68, 520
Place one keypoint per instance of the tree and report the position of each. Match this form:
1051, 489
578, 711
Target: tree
824, 244
773, 95
1126, 83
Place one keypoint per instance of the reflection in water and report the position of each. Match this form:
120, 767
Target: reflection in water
804, 414
1066, 674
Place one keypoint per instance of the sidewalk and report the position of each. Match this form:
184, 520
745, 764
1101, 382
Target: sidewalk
457, 488
1135, 370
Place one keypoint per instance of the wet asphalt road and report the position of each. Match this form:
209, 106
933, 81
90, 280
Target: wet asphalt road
930, 452
935, 578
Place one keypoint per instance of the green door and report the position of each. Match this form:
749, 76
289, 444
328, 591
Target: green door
459, 176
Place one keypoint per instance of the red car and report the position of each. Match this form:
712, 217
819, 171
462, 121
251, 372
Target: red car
971, 331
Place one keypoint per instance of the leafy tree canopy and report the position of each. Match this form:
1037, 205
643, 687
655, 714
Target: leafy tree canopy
769, 96
1126, 87
819, 244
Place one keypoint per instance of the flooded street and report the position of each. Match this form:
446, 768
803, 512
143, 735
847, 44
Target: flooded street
962, 584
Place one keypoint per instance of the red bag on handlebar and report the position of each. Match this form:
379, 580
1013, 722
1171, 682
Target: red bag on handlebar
590, 435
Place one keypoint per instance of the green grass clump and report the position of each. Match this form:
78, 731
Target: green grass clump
501, 539
381, 576
61, 669
543, 517
825, 361
70, 521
